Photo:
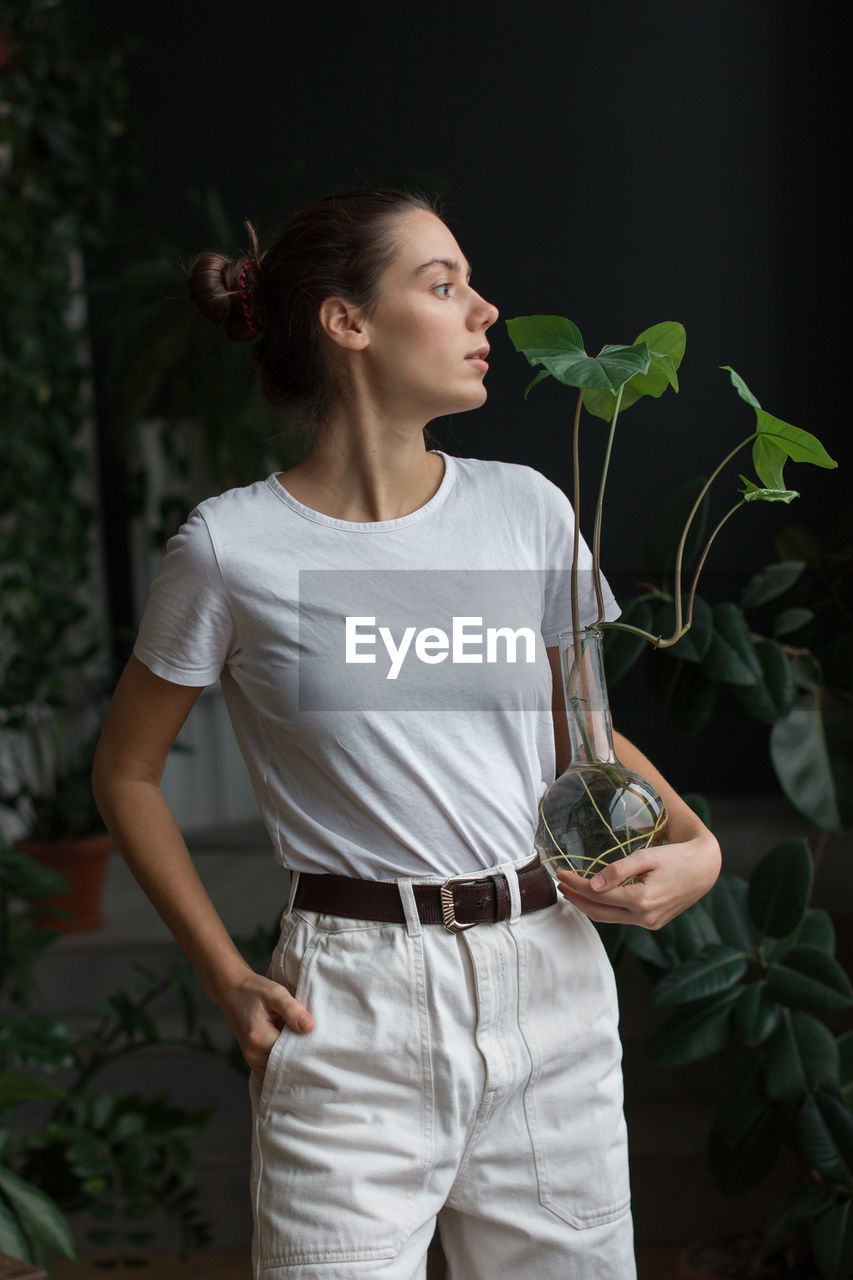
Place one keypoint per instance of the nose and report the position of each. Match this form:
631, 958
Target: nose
484, 313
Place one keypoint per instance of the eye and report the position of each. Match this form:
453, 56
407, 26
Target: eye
446, 285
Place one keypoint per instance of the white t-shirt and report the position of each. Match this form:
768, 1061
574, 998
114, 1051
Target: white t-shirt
387, 681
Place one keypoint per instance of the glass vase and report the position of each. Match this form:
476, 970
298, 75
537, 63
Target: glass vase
598, 810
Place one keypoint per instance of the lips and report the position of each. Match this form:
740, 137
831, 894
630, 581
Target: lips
480, 354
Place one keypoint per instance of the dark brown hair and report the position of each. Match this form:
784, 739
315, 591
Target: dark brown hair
337, 246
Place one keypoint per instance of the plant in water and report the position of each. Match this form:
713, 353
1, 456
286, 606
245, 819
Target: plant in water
598, 811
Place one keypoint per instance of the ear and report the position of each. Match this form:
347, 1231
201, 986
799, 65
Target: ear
341, 322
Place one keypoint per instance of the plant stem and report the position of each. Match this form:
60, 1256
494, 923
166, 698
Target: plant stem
679, 555
599, 507
677, 634
576, 497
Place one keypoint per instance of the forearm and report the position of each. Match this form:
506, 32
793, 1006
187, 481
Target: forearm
144, 829
684, 824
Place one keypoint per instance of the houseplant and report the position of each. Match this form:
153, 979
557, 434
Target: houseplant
68, 1145
751, 968
64, 113
734, 976
597, 811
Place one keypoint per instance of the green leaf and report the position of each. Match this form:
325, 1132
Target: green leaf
662, 537
688, 1037
817, 1143
774, 694
723, 665
743, 1144
540, 377
832, 1242
39, 1216
729, 907
714, 969
794, 443
666, 343
792, 620
740, 387
754, 493
20, 1088
621, 649
845, 1059
731, 625
770, 582
779, 889
13, 1242
609, 369
691, 697
801, 1054
839, 1122
537, 336
807, 673
692, 931
756, 1015
810, 979
812, 753
803, 1203
817, 930
643, 943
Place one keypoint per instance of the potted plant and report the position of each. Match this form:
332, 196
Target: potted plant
63, 124
69, 1146
784, 652
597, 810
751, 969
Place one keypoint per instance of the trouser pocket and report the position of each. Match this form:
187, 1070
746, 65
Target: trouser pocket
340, 1126
573, 1101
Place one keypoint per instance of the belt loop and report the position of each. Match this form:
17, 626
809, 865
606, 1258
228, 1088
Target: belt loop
410, 908
294, 885
511, 874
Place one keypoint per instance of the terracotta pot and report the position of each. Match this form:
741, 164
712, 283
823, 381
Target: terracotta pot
82, 860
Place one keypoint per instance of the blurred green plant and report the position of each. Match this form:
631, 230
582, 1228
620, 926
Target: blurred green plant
751, 969
119, 1156
64, 150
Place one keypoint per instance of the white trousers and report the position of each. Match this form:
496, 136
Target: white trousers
473, 1077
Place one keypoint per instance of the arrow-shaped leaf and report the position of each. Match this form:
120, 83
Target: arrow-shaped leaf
666, 342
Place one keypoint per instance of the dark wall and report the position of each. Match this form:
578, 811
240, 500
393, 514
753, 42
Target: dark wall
616, 163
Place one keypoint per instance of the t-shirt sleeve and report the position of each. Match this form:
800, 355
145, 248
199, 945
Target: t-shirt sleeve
558, 531
187, 629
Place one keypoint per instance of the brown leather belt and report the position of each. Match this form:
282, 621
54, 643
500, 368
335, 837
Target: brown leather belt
459, 903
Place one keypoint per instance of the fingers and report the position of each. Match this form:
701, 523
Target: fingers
259, 1013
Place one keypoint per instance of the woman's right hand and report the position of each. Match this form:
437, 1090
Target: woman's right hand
256, 1009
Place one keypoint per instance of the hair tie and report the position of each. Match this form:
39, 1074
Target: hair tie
252, 327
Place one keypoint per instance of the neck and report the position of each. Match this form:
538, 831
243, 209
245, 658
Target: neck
359, 470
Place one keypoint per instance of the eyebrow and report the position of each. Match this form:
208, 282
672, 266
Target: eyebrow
450, 263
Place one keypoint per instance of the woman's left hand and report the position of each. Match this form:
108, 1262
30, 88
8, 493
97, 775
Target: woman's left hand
669, 879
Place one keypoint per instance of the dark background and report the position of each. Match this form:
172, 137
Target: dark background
617, 163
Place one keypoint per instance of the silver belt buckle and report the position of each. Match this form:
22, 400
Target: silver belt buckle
448, 910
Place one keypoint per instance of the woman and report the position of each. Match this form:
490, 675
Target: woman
437, 1032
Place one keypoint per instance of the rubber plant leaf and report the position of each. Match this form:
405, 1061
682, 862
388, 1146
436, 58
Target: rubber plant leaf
800, 1054
779, 889
810, 749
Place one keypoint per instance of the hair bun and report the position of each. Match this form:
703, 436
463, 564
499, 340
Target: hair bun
225, 290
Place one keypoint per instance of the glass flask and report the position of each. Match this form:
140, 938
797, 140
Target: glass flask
598, 810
